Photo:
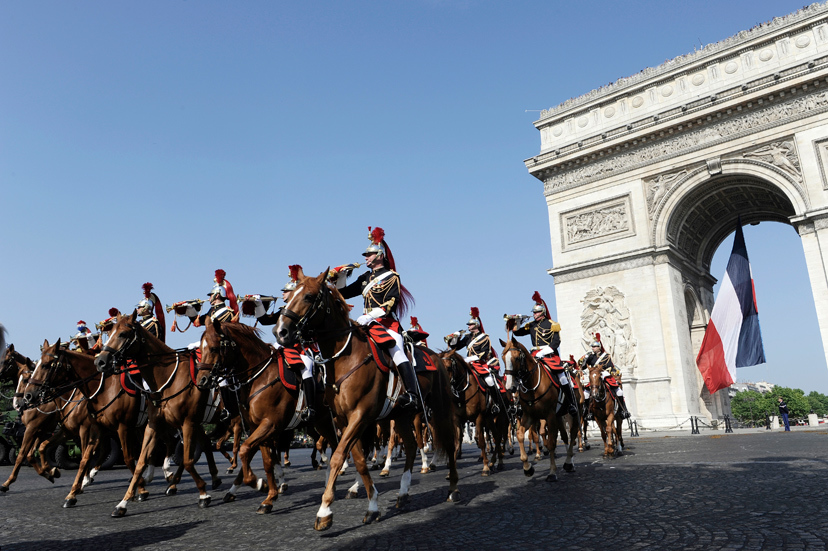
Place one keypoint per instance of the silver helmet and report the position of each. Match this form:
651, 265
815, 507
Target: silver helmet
289, 286
218, 289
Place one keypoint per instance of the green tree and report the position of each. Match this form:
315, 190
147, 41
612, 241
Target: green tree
747, 406
818, 402
798, 405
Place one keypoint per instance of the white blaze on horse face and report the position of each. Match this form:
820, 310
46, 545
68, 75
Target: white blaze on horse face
21, 388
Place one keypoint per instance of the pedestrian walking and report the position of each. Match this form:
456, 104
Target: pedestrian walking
783, 412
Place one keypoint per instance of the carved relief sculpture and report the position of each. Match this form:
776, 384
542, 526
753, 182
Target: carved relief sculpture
599, 222
781, 155
658, 187
606, 312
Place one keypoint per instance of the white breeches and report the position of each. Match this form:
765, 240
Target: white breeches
489, 380
397, 351
307, 372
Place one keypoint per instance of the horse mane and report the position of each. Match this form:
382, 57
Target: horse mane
344, 309
241, 331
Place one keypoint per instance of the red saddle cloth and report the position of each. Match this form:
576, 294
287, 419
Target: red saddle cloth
126, 383
480, 368
552, 365
292, 358
610, 382
195, 358
379, 339
423, 360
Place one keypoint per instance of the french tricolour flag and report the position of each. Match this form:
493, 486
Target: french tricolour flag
733, 338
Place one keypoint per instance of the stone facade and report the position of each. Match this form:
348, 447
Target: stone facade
644, 178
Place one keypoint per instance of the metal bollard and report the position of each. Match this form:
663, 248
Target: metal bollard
694, 425
728, 426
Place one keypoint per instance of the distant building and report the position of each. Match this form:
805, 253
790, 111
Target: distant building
761, 386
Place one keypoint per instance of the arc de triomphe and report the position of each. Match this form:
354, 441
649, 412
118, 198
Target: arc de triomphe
645, 177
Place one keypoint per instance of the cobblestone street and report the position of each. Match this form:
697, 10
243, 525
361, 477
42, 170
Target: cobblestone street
750, 490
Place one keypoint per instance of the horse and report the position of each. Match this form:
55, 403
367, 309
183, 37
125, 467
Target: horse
471, 407
175, 401
40, 422
538, 395
108, 407
234, 430
359, 392
603, 407
578, 386
270, 410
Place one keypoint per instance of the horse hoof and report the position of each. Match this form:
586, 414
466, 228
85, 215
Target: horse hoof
229, 470
264, 509
530, 471
512, 451
545, 452
216, 484
375, 467
323, 523
351, 495
480, 460
588, 447
569, 467
384, 473
204, 502
370, 517
552, 478
51, 479
432, 468
403, 500
69, 503
56, 472
118, 512
287, 464
229, 498
315, 464
454, 496
485, 473
283, 488
424, 470
143, 497
261, 485
500, 466
171, 491
4, 489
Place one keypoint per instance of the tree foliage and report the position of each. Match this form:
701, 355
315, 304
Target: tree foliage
749, 404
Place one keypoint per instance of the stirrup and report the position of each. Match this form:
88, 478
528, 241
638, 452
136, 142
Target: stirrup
307, 414
590, 416
224, 415
409, 400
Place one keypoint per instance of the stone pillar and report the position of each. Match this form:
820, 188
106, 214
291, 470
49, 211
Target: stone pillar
814, 235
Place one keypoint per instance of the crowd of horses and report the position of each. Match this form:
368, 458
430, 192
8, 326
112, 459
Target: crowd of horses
89, 397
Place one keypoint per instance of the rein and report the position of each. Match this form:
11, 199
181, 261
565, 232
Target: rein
525, 371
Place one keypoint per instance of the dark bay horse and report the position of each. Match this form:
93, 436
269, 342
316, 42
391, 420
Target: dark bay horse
471, 407
358, 392
604, 408
269, 408
107, 409
538, 397
175, 401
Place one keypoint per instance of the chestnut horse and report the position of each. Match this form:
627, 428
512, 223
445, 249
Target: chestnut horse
270, 409
471, 406
603, 407
175, 401
538, 397
108, 407
358, 390
578, 386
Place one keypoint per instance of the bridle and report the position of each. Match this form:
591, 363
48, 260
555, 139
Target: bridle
524, 375
300, 323
218, 370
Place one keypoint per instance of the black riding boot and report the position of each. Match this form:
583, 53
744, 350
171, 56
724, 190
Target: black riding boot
412, 389
573, 405
622, 406
587, 404
309, 387
231, 404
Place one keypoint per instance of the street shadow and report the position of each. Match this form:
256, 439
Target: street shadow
124, 540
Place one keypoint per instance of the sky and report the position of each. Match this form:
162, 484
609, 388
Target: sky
159, 141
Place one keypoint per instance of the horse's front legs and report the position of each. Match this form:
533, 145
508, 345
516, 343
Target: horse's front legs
525, 423
350, 434
191, 433
410, 446
88, 438
481, 443
148, 446
551, 444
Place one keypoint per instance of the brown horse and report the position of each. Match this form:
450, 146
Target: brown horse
270, 409
604, 407
578, 386
538, 397
359, 392
175, 402
471, 407
108, 407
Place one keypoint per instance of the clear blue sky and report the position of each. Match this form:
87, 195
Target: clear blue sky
158, 141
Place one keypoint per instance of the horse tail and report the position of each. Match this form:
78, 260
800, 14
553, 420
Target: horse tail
443, 411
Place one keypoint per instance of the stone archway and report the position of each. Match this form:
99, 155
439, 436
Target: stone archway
645, 178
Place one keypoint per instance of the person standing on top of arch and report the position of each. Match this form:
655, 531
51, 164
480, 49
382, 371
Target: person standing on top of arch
385, 299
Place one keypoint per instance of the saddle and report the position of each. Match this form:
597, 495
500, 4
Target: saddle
127, 383
381, 341
291, 358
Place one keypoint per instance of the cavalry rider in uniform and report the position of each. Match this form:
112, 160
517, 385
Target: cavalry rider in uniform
221, 292
601, 357
84, 338
546, 338
386, 298
417, 333
105, 327
152, 313
479, 354
306, 354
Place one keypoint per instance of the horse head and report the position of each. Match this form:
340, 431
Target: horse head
9, 365
596, 384
125, 338
307, 306
516, 358
219, 353
48, 372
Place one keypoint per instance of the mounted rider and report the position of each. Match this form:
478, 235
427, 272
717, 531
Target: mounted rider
417, 334
305, 353
386, 298
104, 327
152, 313
479, 355
600, 357
546, 338
221, 292
84, 339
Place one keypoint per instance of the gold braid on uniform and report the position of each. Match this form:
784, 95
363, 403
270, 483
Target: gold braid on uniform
378, 292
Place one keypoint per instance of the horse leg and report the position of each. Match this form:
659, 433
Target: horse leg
410, 446
481, 444
501, 426
237, 438
619, 431
45, 469
528, 469
207, 448
350, 435
574, 431
272, 487
361, 467
29, 440
254, 442
191, 433
386, 468
551, 444
88, 439
148, 446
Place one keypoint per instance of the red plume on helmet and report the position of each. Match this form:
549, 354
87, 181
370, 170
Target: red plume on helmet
113, 312
598, 338
231, 296
538, 300
159, 309
406, 299
294, 271
475, 313
415, 323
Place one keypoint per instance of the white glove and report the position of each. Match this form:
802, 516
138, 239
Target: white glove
470, 359
259, 310
365, 319
376, 313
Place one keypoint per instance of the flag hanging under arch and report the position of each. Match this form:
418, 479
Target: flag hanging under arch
733, 337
